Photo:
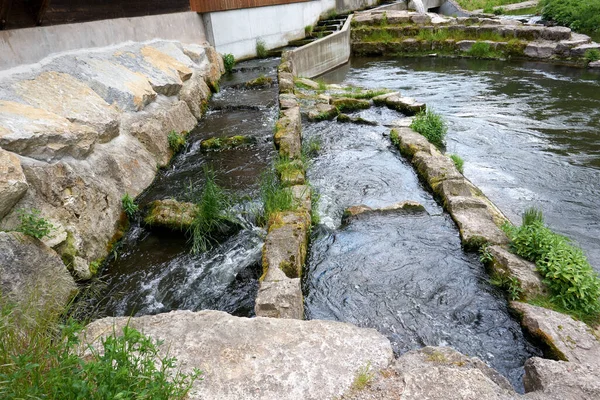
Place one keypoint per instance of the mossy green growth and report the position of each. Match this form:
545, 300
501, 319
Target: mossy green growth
176, 140
573, 283
458, 162
357, 93
275, 197
592, 55
261, 49
229, 142
68, 251
483, 50
346, 104
261, 81
431, 125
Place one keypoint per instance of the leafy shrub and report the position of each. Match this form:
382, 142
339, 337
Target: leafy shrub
498, 11
574, 284
579, 15
211, 213
431, 125
261, 49
458, 162
33, 224
42, 361
592, 55
129, 206
229, 62
176, 141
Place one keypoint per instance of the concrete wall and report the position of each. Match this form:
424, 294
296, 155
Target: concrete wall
25, 46
351, 5
324, 54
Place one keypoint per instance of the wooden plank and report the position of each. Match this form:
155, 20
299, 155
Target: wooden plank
4, 12
202, 6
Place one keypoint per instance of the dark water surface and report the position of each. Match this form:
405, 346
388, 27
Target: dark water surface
529, 132
154, 271
404, 274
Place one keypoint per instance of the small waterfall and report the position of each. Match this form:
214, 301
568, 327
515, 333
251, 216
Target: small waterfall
418, 6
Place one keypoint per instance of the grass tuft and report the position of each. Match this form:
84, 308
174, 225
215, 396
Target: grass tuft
274, 196
176, 140
364, 377
458, 162
261, 49
482, 50
592, 55
129, 206
229, 62
431, 125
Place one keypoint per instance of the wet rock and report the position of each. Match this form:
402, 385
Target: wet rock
322, 112
286, 243
43, 135
13, 184
288, 133
580, 51
286, 82
594, 64
380, 100
434, 166
292, 176
196, 94
260, 358
307, 83
345, 104
508, 264
260, 82
344, 118
559, 380
570, 340
287, 100
286, 66
280, 298
465, 45
401, 123
228, 142
32, 274
405, 105
404, 206
540, 49
172, 214
410, 142
151, 127
70, 98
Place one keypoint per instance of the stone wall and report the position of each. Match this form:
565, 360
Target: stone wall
80, 131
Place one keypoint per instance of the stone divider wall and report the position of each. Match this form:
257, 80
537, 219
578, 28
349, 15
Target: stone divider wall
80, 131
324, 54
286, 244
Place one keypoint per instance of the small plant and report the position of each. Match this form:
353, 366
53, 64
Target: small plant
384, 20
383, 36
498, 11
176, 140
308, 30
592, 55
274, 196
573, 283
315, 198
509, 283
485, 256
458, 162
482, 50
33, 224
211, 214
322, 84
331, 14
311, 147
364, 377
129, 206
261, 49
431, 125
229, 62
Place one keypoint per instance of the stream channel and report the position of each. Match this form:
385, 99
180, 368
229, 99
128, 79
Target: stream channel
529, 136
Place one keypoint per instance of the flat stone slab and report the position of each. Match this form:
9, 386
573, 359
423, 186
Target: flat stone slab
43, 135
540, 49
322, 112
281, 298
260, 358
405, 105
308, 83
569, 339
288, 133
403, 206
13, 183
287, 100
508, 264
286, 243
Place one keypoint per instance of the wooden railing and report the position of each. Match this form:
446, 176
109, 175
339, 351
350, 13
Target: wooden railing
202, 6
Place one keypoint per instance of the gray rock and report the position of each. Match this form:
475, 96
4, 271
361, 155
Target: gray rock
172, 214
301, 195
308, 83
322, 112
286, 243
527, 32
404, 206
380, 100
260, 358
540, 49
13, 184
570, 340
559, 380
594, 64
465, 45
580, 51
196, 94
280, 298
405, 105
556, 33
70, 98
43, 135
508, 264
286, 82
33, 275
288, 133
287, 100
411, 142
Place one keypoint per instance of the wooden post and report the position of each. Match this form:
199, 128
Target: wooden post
4, 11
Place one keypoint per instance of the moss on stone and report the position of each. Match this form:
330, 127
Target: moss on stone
68, 251
345, 104
229, 142
260, 82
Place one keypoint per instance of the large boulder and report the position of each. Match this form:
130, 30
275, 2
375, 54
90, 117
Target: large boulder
260, 358
559, 380
13, 184
171, 214
33, 276
507, 264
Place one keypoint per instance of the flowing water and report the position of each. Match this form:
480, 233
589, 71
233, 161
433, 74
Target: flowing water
405, 273
154, 271
529, 132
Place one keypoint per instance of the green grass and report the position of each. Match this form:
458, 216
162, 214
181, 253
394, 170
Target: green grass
431, 125
458, 162
261, 49
592, 55
229, 62
44, 360
574, 285
176, 140
482, 50
212, 214
33, 224
364, 377
310, 147
484, 4
579, 15
129, 206
380, 35
274, 196
308, 30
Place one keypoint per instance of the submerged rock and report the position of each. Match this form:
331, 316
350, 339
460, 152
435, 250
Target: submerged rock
171, 214
404, 206
259, 358
344, 118
229, 142
322, 112
260, 82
